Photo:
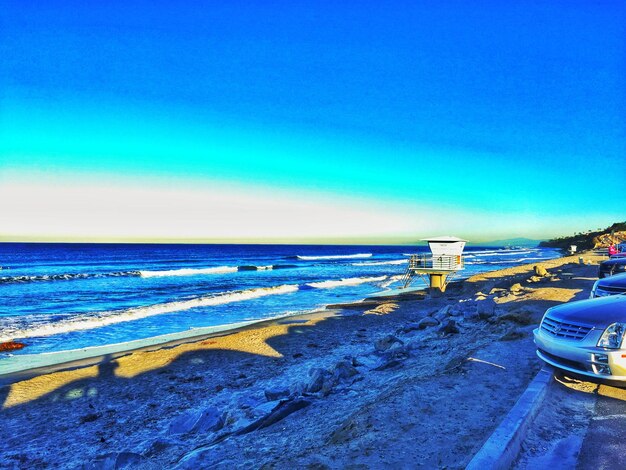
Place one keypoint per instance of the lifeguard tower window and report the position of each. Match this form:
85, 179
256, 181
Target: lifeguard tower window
444, 260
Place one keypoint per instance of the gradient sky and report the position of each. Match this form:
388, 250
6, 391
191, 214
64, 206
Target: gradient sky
303, 121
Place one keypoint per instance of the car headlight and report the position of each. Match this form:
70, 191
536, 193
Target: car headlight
593, 289
613, 336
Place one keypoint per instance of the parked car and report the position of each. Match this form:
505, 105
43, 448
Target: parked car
585, 338
612, 266
611, 285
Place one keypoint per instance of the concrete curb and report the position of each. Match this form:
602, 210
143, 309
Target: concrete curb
503, 446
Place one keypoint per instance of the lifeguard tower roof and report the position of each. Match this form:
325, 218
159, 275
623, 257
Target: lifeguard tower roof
445, 238
446, 245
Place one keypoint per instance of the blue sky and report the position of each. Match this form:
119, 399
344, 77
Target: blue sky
485, 119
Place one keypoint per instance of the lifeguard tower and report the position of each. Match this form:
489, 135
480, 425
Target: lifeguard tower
443, 262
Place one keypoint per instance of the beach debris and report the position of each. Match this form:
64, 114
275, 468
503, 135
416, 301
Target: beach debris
521, 317
471, 313
89, 418
382, 309
386, 342
11, 346
390, 364
159, 445
276, 393
443, 313
473, 359
513, 335
316, 381
208, 420
516, 288
486, 309
345, 432
449, 328
541, 271
344, 370
117, 461
427, 322
280, 412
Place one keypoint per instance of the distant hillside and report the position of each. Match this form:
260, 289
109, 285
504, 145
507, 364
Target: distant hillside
616, 233
525, 242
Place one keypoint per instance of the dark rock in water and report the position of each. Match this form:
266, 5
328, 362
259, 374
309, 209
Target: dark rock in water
385, 343
194, 421
449, 328
247, 268
297, 355
117, 461
11, 346
427, 322
344, 370
276, 393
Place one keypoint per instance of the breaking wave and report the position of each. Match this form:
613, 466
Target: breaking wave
381, 263
141, 273
351, 281
189, 271
314, 258
118, 316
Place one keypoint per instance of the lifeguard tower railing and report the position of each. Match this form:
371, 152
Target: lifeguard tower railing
425, 264
436, 262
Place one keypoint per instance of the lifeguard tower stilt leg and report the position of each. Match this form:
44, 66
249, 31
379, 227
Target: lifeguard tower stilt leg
438, 282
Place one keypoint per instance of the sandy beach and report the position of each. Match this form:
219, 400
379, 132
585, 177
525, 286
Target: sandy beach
406, 381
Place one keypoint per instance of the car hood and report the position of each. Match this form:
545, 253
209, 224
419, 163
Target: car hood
599, 313
613, 262
619, 281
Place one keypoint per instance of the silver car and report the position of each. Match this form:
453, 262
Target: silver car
609, 286
585, 337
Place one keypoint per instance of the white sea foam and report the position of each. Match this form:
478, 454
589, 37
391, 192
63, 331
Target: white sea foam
313, 258
351, 281
189, 271
119, 316
391, 280
381, 263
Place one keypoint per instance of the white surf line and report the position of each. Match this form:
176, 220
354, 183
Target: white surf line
136, 313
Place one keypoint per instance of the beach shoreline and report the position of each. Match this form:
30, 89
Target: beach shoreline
278, 355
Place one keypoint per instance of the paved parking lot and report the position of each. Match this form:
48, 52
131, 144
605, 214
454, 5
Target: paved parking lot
581, 425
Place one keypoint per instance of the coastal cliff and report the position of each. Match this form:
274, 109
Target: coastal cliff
616, 233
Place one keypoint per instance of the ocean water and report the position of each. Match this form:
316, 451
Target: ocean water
60, 297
